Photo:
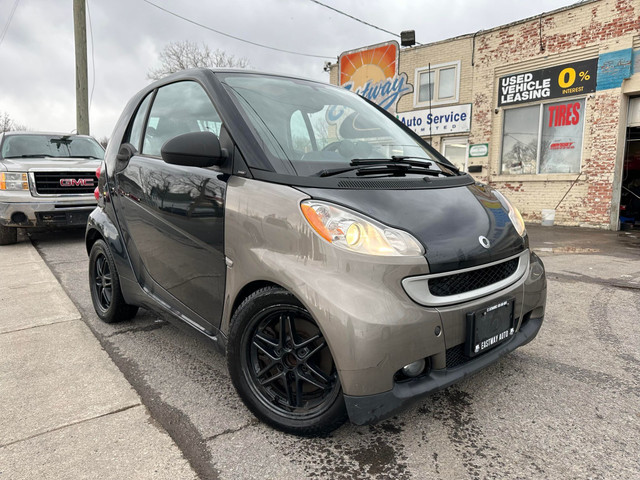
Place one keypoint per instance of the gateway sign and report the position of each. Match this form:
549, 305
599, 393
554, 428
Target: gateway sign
438, 121
555, 82
373, 73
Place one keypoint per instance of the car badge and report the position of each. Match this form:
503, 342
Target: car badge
484, 241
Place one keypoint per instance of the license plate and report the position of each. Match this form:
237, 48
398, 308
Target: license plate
489, 327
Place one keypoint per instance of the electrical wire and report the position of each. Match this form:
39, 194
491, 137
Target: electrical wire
6, 26
93, 58
357, 19
237, 38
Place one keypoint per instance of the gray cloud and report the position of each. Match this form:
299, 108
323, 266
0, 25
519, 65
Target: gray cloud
37, 76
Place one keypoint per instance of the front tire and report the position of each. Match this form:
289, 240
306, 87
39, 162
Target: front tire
104, 284
8, 235
281, 365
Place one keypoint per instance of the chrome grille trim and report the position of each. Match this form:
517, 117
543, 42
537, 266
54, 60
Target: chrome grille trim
418, 287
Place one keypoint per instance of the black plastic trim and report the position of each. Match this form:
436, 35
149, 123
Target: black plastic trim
373, 408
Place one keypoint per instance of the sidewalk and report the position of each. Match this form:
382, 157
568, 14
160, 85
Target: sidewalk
67, 412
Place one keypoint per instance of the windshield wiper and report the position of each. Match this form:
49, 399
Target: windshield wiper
31, 155
82, 156
406, 158
388, 167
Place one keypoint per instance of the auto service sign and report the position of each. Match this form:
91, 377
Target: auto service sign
372, 72
438, 121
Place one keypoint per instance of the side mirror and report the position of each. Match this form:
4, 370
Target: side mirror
126, 152
196, 149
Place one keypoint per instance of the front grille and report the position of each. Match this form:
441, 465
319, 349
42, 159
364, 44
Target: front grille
456, 356
472, 280
49, 183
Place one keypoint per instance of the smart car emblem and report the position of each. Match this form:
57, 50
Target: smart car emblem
73, 182
484, 241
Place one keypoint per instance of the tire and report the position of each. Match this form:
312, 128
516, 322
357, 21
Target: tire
104, 284
8, 235
281, 365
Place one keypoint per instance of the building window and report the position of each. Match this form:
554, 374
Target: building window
455, 150
438, 84
545, 138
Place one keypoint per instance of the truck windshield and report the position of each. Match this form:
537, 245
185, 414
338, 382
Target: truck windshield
309, 127
68, 146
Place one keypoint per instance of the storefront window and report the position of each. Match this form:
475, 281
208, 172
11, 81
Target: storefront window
553, 145
455, 149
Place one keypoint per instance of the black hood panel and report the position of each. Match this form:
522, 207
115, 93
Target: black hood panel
447, 221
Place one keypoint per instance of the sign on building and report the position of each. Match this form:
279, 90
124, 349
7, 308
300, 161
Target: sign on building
566, 80
373, 73
438, 121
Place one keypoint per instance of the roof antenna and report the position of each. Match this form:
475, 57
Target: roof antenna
430, 112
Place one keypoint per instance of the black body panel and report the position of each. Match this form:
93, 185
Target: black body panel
447, 221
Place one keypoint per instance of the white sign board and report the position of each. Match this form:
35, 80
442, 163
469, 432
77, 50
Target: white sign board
438, 121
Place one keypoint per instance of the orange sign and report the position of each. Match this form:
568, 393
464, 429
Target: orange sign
373, 73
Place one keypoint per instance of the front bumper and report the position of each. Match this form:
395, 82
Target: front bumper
372, 408
47, 213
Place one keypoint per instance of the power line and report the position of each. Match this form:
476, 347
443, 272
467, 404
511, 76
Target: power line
356, 19
6, 26
237, 38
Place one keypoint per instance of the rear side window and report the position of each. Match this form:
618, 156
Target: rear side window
179, 108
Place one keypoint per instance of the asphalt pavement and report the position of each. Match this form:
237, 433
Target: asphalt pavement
144, 399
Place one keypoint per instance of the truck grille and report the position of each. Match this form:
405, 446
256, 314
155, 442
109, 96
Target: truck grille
472, 280
65, 183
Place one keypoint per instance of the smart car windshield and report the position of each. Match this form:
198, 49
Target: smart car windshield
67, 146
311, 129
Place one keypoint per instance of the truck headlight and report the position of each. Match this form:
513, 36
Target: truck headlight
514, 214
356, 233
14, 181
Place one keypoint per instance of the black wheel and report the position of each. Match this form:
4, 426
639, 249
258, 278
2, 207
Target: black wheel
8, 235
281, 365
104, 284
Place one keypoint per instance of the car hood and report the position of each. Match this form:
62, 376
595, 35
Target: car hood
48, 163
447, 221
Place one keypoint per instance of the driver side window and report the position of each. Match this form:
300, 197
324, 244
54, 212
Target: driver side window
178, 108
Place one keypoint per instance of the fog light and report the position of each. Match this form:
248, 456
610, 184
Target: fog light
414, 369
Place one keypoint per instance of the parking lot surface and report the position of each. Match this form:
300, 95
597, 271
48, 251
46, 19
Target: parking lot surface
565, 406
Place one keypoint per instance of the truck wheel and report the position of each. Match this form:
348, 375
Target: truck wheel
104, 284
8, 235
281, 365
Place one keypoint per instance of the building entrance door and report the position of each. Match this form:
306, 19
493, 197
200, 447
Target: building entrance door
630, 191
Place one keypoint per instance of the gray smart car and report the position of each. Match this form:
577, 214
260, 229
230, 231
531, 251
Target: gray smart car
344, 266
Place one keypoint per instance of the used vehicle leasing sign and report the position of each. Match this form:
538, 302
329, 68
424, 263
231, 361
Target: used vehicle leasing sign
566, 80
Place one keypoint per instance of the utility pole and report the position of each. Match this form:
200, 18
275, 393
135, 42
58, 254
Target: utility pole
82, 84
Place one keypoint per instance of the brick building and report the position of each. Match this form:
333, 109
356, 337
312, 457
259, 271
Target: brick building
547, 109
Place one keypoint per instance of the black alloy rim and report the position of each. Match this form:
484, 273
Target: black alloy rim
102, 282
289, 365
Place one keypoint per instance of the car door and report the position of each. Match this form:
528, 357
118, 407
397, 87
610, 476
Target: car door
172, 216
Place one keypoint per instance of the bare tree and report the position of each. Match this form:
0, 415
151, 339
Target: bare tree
104, 141
177, 56
8, 124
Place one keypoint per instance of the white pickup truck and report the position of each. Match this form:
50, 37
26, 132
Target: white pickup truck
46, 180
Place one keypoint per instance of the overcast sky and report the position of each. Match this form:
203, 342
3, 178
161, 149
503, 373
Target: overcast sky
37, 73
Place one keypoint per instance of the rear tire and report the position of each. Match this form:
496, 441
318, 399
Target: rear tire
104, 284
8, 235
281, 365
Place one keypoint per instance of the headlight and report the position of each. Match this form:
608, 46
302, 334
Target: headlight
514, 214
354, 232
14, 181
